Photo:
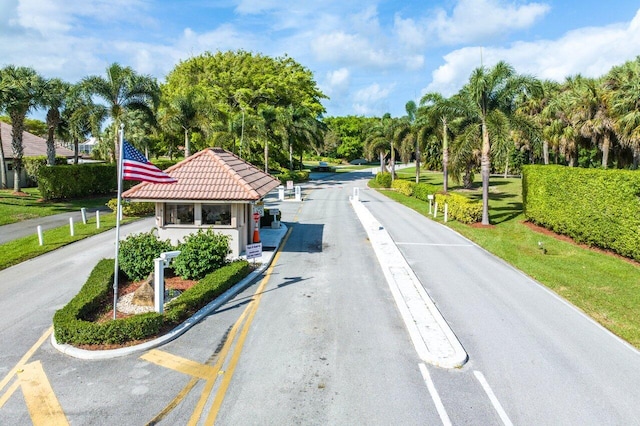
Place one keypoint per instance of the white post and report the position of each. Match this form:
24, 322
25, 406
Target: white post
298, 193
430, 197
40, 236
356, 194
158, 284
98, 219
71, 226
435, 210
281, 193
446, 212
83, 211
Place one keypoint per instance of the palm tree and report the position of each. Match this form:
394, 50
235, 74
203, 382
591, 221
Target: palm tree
23, 92
379, 140
53, 100
124, 90
3, 166
80, 117
492, 93
624, 98
184, 111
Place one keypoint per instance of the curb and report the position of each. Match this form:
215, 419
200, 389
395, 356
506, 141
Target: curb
432, 337
180, 329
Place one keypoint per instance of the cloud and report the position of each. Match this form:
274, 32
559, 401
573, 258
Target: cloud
337, 83
372, 99
587, 51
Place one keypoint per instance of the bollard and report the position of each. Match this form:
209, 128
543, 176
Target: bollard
430, 197
298, 193
40, 236
83, 211
98, 219
435, 210
356, 194
281, 193
158, 284
446, 212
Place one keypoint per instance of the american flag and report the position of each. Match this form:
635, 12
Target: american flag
136, 167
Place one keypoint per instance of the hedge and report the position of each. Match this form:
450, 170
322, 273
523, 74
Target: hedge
294, 175
403, 186
74, 324
422, 191
592, 206
74, 181
384, 179
138, 209
460, 208
32, 166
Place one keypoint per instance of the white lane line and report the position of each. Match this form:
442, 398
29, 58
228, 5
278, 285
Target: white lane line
434, 244
446, 421
492, 398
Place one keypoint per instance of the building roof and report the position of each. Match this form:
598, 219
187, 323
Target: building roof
34, 146
211, 174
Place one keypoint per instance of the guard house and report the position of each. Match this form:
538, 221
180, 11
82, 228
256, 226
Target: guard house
215, 189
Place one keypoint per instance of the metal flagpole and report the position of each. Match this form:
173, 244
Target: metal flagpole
116, 269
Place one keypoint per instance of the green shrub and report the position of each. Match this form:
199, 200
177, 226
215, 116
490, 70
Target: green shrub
137, 209
422, 191
32, 166
163, 163
207, 289
460, 208
294, 175
201, 253
595, 207
75, 181
74, 323
384, 179
403, 186
137, 252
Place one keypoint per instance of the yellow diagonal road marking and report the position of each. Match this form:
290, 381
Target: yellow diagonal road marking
26, 357
183, 365
42, 403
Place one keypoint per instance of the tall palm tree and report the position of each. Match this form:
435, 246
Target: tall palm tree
24, 89
80, 117
379, 140
123, 89
624, 98
3, 166
53, 99
492, 93
183, 111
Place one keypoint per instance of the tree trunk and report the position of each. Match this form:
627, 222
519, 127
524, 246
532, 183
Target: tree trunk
393, 162
485, 165
75, 150
383, 168
545, 152
445, 157
506, 168
417, 162
290, 157
266, 156
17, 121
51, 147
187, 148
3, 165
606, 144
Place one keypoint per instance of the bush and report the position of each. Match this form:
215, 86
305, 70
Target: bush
32, 166
403, 186
137, 209
201, 254
422, 191
460, 208
384, 179
75, 181
207, 289
137, 252
595, 207
294, 175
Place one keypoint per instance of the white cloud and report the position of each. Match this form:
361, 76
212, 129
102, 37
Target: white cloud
587, 51
372, 99
475, 20
337, 83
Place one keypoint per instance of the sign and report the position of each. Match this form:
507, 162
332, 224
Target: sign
289, 184
274, 212
254, 250
258, 208
256, 216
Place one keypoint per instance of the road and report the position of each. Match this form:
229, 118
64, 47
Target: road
321, 341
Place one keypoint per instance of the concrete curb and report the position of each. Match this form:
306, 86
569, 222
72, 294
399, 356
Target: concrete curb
182, 328
432, 337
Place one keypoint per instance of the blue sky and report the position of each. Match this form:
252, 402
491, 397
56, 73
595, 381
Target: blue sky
370, 57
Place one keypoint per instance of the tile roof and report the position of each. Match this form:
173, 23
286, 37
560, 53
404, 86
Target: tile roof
211, 174
34, 146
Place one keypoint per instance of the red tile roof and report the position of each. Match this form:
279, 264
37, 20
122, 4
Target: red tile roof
34, 146
211, 174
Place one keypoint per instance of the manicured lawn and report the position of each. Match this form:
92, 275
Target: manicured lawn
15, 208
604, 286
26, 248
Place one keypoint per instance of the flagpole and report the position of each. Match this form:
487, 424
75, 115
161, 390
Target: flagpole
118, 208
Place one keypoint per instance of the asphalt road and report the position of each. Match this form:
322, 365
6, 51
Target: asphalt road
320, 340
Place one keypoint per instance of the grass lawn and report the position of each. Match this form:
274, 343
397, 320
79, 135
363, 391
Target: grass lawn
22, 249
604, 286
15, 208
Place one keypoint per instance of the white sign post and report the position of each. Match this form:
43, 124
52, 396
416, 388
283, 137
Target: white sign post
254, 250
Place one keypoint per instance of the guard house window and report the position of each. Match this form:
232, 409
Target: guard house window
179, 214
216, 214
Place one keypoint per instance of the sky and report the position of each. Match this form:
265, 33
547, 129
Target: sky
368, 57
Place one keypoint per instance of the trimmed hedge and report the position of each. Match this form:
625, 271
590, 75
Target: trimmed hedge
422, 191
32, 166
384, 179
403, 186
74, 323
592, 206
460, 208
138, 209
75, 181
294, 175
